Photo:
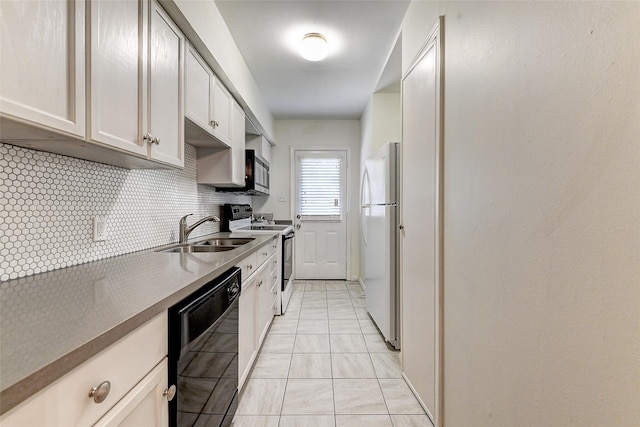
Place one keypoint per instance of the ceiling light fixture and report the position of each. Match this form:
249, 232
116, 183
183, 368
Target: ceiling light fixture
314, 47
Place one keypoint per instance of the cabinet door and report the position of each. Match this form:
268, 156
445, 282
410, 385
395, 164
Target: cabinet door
247, 349
221, 112
237, 144
144, 405
199, 91
42, 63
166, 78
118, 38
264, 309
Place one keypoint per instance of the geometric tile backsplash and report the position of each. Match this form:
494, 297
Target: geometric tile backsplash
48, 202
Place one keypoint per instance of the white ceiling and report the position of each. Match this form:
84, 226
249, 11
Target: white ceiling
360, 33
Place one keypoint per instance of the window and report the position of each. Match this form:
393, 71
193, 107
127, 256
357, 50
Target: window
320, 188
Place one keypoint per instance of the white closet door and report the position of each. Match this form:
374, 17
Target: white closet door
421, 220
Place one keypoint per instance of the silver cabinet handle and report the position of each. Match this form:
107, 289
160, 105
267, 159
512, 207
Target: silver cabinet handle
250, 267
100, 392
151, 139
215, 123
259, 283
169, 393
265, 253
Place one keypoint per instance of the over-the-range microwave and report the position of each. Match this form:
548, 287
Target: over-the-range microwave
256, 176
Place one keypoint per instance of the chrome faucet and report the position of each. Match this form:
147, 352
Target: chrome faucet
186, 230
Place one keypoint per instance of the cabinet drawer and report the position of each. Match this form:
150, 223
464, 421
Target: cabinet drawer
267, 250
248, 266
66, 402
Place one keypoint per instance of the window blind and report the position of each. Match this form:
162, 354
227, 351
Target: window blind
320, 188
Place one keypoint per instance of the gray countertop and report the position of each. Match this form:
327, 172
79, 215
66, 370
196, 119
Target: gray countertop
52, 322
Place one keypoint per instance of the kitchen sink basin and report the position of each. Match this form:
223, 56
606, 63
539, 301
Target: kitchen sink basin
197, 248
226, 241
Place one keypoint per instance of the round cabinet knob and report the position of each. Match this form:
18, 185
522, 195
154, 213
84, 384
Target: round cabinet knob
265, 253
169, 393
250, 267
156, 141
100, 392
259, 283
298, 226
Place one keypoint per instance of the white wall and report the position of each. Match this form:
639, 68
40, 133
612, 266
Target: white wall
542, 210
313, 133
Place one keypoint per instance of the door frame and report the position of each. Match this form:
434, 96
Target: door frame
435, 39
293, 187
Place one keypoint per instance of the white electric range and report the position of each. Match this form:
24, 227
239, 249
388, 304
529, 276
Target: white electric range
237, 219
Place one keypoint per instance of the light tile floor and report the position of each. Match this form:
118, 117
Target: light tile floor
324, 364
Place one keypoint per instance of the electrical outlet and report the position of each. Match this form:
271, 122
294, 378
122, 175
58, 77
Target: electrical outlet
99, 229
282, 198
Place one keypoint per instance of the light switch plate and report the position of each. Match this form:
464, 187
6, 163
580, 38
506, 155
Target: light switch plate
100, 231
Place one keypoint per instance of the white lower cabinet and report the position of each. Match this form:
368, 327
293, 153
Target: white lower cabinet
247, 349
135, 368
256, 308
145, 405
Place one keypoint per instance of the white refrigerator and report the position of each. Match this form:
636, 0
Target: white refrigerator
380, 235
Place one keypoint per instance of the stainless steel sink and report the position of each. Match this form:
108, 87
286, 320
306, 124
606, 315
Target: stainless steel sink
186, 248
226, 241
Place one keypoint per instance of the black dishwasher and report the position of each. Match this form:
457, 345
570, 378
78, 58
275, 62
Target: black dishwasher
203, 354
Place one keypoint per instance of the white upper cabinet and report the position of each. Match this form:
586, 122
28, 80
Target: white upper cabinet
129, 103
136, 79
221, 112
237, 144
199, 92
42, 66
261, 145
118, 41
225, 167
166, 89
208, 105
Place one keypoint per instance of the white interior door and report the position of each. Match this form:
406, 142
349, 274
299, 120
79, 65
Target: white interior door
320, 214
421, 243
